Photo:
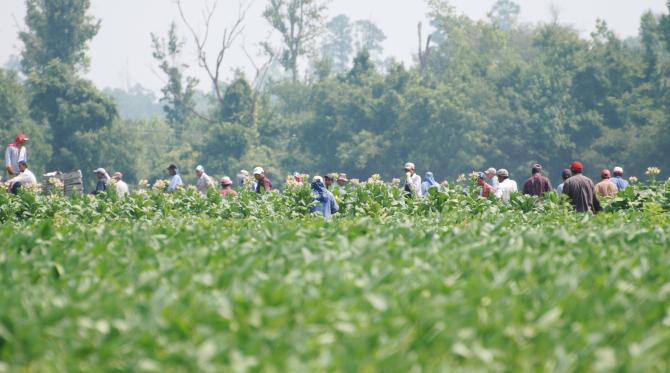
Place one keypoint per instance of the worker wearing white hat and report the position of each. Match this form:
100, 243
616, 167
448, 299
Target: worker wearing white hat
618, 179
204, 181
412, 180
263, 184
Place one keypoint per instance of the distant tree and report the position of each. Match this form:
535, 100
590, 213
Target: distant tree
298, 22
237, 102
137, 102
505, 14
338, 42
649, 35
368, 36
57, 29
178, 93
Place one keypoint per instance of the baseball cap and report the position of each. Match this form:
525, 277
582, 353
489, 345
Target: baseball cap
100, 170
200, 168
576, 166
503, 172
342, 177
410, 166
605, 173
118, 175
618, 170
317, 179
491, 171
259, 170
481, 175
21, 137
172, 167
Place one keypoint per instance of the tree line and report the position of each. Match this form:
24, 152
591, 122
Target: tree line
493, 92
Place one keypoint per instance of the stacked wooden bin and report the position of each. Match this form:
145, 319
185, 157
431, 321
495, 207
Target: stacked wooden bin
72, 182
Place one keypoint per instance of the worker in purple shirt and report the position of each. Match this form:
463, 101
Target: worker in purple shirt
537, 184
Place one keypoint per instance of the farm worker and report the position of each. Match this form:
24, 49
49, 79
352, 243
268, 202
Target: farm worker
506, 186
329, 179
103, 180
537, 184
486, 188
565, 175
204, 181
25, 178
263, 184
412, 180
618, 180
581, 191
297, 178
227, 187
175, 180
492, 177
606, 188
16, 152
342, 183
429, 183
326, 203
119, 184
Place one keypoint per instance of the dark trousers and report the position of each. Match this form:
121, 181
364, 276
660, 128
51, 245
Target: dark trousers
15, 187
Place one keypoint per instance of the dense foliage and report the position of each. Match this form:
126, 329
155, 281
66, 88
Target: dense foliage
180, 282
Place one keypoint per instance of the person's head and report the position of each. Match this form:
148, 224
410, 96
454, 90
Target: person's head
429, 175
23, 165
172, 169
318, 179
502, 174
199, 170
618, 171
566, 174
297, 177
100, 173
118, 176
21, 139
328, 180
410, 167
342, 179
536, 169
605, 174
226, 182
491, 173
481, 178
259, 173
576, 167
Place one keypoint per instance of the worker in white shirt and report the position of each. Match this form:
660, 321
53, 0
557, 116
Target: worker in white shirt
204, 181
505, 186
120, 185
412, 180
25, 178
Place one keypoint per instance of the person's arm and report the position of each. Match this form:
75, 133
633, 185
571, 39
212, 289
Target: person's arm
334, 208
267, 185
549, 186
8, 161
173, 184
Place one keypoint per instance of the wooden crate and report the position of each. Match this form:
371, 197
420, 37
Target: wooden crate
72, 182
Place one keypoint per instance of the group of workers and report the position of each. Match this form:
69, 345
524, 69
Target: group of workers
579, 188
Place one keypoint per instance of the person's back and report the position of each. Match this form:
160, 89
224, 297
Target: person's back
581, 190
606, 188
326, 203
505, 187
620, 183
121, 188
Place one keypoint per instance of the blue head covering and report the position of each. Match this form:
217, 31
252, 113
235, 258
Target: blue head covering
320, 190
430, 179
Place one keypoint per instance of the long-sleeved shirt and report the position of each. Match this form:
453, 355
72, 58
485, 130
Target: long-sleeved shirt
121, 188
174, 183
204, 182
505, 189
101, 186
537, 185
581, 191
493, 182
620, 183
328, 206
264, 186
606, 188
13, 155
26, 178
413, 184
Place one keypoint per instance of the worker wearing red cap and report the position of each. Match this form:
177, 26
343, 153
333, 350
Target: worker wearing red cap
606, 188
15, 153
581, 190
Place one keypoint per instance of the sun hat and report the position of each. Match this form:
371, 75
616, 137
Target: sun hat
317, 179
491, 171
618, 170
503, 172
259, 171
200, 168
342, 177
118, 175
410, 166
99, 170
225, 181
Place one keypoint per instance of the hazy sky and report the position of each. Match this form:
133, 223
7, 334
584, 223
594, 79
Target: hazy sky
121, 53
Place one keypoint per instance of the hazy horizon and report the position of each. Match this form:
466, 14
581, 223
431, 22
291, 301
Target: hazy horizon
121, 53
